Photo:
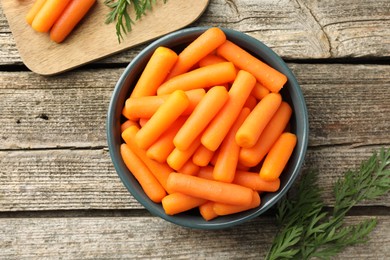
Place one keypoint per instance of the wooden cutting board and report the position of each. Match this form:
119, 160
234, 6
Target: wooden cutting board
92, 39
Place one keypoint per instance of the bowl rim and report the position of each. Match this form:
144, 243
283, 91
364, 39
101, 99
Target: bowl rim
113, 126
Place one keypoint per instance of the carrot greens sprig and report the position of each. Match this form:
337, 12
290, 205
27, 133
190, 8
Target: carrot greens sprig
308, 230
120, 13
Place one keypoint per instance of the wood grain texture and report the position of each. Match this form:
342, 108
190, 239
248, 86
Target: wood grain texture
295, 29
152, 238
86, 179
347, 104
92, 39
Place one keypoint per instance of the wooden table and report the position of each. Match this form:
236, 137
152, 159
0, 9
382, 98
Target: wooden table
61, 197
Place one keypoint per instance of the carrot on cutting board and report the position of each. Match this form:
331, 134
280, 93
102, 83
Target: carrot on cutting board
70, 17
207, 42
48, 14
164, 117
218, 128
227, 160
34, 10
178, 202
146, 179
210, 189
253, 156
278, 156
265, 74
204, 77
155, 72
203, 113
250, 130
146, 106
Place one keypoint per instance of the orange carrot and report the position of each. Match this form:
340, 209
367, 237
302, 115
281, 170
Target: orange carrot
247, 179
165, 115
160, 170
209, 189
266, 75
204, 77
143, 121
226, 209
207, 42
189, 168
278, 156
254, 155
34, 10
48, 14
202, 156
177, 158
211, 59
221, 123
203, 113
206, 210
146, 106
146, 179
178, 202
257, 120
251, 102
127, 124
155, 72
226, 164
163, 146
259, 91
70, 17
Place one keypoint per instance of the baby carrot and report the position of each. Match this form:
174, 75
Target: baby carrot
259, 91
209, 189
177, 158
226, 164
251, 102
278, 156
155, 72
127, 124
207, 42
148, 182
216, 131
189, 168
34, 10
206, 210
160, 170
266, 75
257, 120
146, 106
163, 146
165, 115
205, 77
202, 156
178, 202
48, 14
222, 209
70, 17
254, 155
203, 113
211, 59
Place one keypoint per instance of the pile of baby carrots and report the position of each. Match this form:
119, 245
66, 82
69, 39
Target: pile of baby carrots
207, 128
57, 16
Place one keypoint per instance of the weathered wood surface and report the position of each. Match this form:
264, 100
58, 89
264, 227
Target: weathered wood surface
151, 238
61, 198
295, 29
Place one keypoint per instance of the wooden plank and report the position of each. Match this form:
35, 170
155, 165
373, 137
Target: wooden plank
36, 180
347, 104
152, 238
295, 29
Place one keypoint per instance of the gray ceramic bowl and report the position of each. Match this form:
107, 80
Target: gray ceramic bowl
291, 93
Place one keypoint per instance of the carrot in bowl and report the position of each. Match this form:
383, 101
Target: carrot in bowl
178, 202
265, 74
70, 17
